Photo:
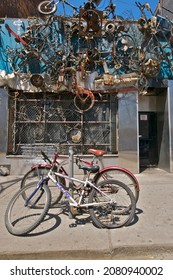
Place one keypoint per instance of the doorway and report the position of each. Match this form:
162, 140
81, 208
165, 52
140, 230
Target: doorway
148, 140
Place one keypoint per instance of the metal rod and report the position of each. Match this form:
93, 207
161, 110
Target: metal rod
71, 153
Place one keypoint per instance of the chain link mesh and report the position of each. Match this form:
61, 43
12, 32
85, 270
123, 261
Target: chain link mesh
41, 121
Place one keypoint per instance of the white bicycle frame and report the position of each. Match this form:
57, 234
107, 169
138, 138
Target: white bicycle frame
84, 183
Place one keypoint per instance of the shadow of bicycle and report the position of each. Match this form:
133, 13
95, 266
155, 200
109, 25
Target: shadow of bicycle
50, 223
79, 220
136, 217
53, 220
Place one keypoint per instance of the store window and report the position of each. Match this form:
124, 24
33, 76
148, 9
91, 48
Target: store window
38, 120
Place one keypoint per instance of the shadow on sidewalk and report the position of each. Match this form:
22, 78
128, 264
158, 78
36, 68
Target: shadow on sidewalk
136, 217
43, 227
7, 184
83, 221
53, 221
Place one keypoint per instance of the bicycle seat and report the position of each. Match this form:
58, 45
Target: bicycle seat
97, 153
91, 168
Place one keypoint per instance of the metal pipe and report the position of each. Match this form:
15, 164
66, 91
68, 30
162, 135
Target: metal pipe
71, 171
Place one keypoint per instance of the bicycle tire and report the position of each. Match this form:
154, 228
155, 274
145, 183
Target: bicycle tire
39, 172
116, 214
21, 219
121, 174
47, 8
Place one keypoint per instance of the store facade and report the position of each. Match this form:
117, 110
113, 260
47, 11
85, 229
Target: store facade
128, 118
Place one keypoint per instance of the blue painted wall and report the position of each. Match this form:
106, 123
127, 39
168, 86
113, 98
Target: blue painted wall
12, 53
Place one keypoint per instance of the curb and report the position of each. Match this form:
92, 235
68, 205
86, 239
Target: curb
154, 252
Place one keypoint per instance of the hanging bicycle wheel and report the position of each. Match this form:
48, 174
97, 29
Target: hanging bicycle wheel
23, 216
83, 102
125, 50
47, 7
116, 213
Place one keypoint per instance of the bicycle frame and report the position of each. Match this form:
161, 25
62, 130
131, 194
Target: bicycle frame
90, 163
66, 193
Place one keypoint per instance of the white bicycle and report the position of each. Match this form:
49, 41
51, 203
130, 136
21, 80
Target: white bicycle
50, 7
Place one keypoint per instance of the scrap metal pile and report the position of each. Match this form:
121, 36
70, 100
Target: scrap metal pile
91, 51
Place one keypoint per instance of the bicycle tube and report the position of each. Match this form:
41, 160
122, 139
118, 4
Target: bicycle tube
36, 173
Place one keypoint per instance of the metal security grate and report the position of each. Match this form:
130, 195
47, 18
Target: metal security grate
40, 120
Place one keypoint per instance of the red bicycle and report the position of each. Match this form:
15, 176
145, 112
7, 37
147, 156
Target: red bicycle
39, 171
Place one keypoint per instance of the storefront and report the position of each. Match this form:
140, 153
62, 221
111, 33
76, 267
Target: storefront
86, 85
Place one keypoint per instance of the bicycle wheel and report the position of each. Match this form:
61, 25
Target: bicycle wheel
39, 172
84, 102
121, 174
47, 8
22, 217
119, 211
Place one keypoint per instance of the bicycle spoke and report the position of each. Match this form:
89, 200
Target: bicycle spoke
119, 211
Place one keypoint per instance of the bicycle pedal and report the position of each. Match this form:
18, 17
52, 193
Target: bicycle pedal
73, 225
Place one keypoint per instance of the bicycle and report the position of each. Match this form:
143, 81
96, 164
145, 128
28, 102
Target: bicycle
111, 204
105, 173
50, 7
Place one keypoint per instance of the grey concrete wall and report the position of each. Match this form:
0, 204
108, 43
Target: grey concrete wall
163, 131
128, 146
170, 114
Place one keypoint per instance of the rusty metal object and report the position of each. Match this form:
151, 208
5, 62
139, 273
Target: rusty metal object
37, 80
97, 2
110, 26
93, 19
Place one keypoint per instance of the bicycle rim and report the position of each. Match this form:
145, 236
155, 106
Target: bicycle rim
21, 219
119, 212
83, 103
47, 8
121, 175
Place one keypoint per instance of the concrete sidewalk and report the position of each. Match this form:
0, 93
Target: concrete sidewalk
59, 237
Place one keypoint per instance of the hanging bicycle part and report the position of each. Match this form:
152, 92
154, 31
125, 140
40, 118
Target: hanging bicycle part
19, 38
93, 22
84, 98
50, 7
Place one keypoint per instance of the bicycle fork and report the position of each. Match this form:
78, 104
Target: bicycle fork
39, 185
